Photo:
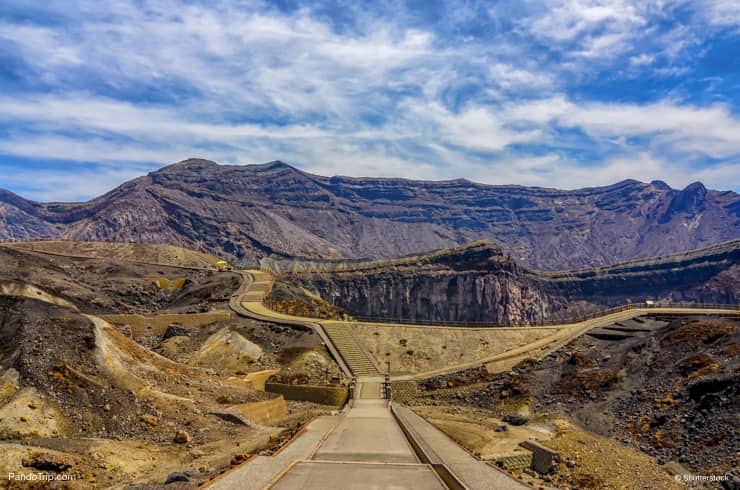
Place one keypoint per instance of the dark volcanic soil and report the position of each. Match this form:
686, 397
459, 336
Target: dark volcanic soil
669, 388
94, 400
100, 286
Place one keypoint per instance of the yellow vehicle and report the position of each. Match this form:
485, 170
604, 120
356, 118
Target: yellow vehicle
222, 265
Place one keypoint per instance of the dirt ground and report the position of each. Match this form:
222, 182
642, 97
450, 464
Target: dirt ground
127, 408
631, 404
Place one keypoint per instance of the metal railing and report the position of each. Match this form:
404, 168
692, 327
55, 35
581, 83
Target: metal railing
555, 320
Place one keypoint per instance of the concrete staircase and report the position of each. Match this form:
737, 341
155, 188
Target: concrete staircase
357, 359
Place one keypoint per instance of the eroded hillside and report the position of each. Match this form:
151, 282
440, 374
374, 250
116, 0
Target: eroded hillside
120, 372
625, 405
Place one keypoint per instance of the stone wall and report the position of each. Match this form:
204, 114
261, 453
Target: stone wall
402, 391
325, 395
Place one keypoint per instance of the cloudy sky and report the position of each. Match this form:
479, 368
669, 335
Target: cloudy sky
556, 93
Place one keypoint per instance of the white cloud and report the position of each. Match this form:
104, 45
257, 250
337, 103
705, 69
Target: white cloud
45, 46
241, 83
60, 185
510, 76
642, 59
712, 130
599, 28
725, 13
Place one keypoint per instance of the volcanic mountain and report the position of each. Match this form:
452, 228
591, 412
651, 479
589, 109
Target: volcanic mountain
245, 213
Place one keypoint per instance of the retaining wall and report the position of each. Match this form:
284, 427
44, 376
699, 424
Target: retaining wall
325, 395
265, 412
403, 391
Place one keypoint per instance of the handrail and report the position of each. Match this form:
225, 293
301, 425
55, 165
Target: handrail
542, 322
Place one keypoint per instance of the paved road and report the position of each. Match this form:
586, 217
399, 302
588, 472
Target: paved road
257, 284
367, 433
475, 474
359, 476
259, 472
364, 449
367, 450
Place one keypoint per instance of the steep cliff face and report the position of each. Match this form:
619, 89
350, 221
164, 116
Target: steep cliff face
479, 283
475, 283
708, 275
472, 297
245, 213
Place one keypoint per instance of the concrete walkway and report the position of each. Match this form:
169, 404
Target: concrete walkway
367, 450
475, 474
359, 476
259, 472
367, 433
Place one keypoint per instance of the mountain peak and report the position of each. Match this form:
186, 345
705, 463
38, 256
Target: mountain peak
691, 201
190, 164
659, 184
247, 212
695, 188
275, 165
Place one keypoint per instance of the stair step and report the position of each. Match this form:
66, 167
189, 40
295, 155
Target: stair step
357, 359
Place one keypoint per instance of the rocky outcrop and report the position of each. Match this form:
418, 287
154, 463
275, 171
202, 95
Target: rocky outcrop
691, 201
480, 283
244, 213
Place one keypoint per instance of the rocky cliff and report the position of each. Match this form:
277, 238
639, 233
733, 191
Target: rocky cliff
245, 213
480, 283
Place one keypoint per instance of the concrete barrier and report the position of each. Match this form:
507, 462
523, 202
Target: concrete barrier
265, 412
259, 378
544, 460
325, 395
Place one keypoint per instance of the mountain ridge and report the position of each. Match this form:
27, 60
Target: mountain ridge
479, 283
248, 212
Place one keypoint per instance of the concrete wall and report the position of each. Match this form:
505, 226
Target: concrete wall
259, 378
544, 460
157, 325
264, 413
325, 395
402, 391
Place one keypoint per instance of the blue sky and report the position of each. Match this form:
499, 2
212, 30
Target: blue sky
556, 93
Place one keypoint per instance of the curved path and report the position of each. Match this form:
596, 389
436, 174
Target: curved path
339, 334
